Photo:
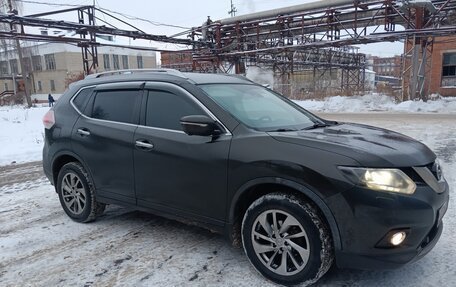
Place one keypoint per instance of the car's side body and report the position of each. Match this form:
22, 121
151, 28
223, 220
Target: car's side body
212, 181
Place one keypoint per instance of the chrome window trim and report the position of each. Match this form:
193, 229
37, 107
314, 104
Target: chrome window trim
189, 95
162, 129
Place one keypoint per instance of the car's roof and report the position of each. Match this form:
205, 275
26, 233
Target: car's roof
200, 78
194, 78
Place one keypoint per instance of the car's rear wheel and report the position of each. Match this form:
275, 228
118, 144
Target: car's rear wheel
286, 239
76, 193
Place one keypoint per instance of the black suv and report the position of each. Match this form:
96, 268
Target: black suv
297, 191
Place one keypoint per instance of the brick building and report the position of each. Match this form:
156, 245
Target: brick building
389, 66
179, 60
443, 68
183, 61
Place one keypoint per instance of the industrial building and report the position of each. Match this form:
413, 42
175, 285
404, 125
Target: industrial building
51, 66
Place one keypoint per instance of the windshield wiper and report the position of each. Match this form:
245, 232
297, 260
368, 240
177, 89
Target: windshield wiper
283, 130
316, 126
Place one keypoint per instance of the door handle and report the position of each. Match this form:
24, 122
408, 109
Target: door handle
83, 132
144, 144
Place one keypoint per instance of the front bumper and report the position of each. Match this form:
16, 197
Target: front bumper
364, 217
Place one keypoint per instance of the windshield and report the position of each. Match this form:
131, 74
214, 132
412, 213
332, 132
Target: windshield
259, 108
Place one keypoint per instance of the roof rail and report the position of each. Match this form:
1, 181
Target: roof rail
242, 77
136, 71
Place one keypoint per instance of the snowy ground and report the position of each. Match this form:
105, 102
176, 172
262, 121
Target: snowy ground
21, 134
378, 102
41, 246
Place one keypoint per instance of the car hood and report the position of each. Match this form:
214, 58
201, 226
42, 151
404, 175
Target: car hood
370, 146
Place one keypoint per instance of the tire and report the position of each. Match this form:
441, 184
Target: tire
77, 194
304, 242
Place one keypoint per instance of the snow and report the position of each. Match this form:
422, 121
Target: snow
22, 134
379, 102
41, 246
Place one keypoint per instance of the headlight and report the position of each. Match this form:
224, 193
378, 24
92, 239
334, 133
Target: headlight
392, 180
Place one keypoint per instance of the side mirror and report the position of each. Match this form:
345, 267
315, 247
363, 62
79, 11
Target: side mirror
199, 125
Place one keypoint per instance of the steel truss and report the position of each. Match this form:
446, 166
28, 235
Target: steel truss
291, 39
87, 29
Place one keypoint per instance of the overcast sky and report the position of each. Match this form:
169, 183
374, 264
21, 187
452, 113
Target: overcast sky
185, 13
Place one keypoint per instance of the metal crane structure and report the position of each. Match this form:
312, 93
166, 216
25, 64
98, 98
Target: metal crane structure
316, 37
319, 36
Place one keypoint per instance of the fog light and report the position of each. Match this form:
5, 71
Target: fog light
398, 238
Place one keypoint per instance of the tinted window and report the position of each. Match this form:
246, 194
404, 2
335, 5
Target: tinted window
118, 106
81, 99
164, 110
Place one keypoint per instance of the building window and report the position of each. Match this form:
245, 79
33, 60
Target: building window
106, 62
36, 63
49, 59
4, 68
40, 86
6, 86
449, 70
27, 65
52, 85
13, 66
125, 61
139, 59
115, 62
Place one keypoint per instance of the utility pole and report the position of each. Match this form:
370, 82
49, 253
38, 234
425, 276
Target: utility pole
233, 10
21, 61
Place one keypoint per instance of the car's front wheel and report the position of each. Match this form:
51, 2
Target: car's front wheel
286, 239
76, 193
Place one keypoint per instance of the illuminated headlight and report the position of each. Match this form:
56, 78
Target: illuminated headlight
391, 180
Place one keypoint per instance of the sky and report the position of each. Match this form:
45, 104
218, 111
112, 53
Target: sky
185, 14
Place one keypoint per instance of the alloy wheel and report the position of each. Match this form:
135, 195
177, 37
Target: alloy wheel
280, 242
73, 193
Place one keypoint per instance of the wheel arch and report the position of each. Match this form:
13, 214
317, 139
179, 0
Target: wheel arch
63, 158
256, 188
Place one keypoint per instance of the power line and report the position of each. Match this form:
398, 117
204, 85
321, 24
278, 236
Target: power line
129, 17
48, 3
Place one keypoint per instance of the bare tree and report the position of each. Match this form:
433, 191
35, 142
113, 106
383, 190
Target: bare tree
11, 48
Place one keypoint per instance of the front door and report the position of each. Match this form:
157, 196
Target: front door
175, 172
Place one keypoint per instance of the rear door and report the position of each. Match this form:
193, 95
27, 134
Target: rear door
175, 172
103, 138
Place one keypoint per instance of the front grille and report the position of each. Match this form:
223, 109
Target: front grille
431, 174
432, 170
410, 172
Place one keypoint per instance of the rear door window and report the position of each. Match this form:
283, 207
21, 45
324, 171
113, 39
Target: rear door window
118, 106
